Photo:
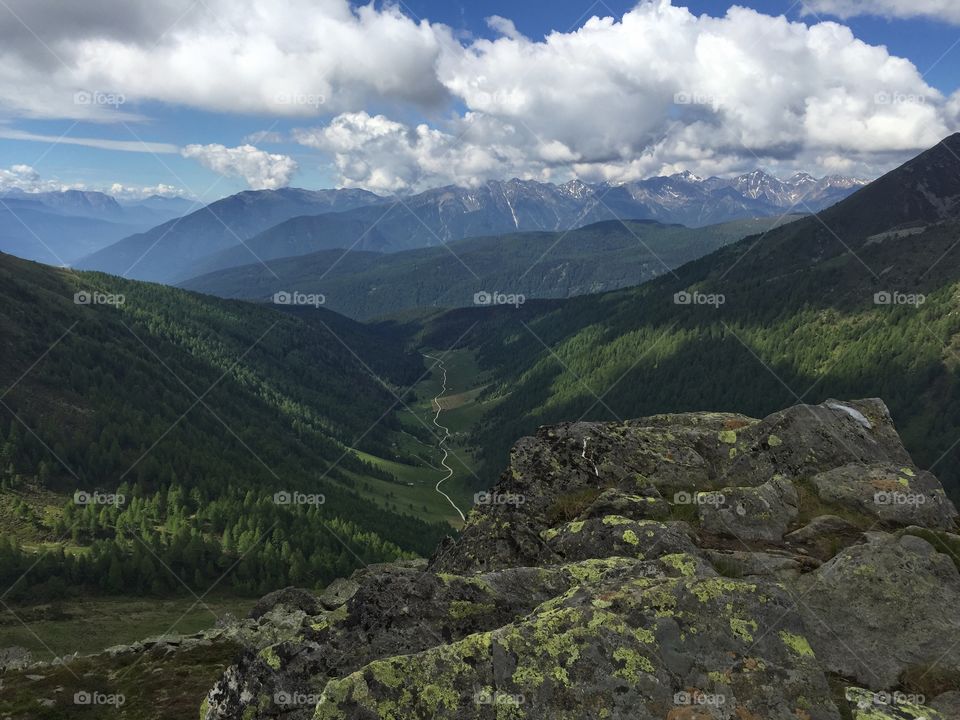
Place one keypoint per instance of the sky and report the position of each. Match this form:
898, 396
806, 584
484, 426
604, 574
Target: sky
205, 98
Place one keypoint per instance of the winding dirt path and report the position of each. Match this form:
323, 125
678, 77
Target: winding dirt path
446, 436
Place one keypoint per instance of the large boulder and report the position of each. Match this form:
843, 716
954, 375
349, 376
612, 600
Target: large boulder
879, 609
892, 494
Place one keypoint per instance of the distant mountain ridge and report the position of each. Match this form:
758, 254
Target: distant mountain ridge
61, 227
453, 213
162, 252
266, 225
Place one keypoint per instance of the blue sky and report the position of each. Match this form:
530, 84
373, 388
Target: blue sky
157, 115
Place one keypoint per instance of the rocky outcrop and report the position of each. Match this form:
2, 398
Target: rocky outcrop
689, 567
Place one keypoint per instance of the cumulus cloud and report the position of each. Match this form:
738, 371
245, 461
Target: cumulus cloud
656, 90
261, 170
383, 155
947, 10
282, 57
659, 90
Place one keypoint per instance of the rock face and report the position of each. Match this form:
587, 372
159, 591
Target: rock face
689, 567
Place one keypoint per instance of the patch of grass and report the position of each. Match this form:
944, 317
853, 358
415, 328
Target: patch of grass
89, 626
567, 507
155, 686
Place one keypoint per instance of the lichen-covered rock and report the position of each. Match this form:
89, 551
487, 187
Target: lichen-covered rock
896, 495
776, 565
617, 536
621, 585
869, 705
643, 648
648, 504
753, 513
878, 609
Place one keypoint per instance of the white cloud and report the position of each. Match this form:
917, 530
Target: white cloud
656, 90
261, 170
386, 156
948, 10
121, 145
139, 192
277, 57
29, 180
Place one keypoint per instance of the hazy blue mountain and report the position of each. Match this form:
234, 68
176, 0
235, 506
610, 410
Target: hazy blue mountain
168, 250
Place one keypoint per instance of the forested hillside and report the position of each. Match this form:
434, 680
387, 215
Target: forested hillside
599, 257
197, 412
827, 306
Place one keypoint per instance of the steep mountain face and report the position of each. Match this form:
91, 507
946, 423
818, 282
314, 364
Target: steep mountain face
703, 565
449, 214
365, 285
862, 299
169, 250
61, 227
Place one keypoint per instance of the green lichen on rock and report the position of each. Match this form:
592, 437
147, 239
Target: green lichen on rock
797, 643
270, 657
727, 436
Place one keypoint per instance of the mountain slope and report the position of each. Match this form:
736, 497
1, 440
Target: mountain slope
799, 320
595, 258
197, 411
169, 250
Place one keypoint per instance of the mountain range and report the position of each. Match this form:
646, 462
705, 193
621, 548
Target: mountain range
266, 225
364, 285
61, 227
